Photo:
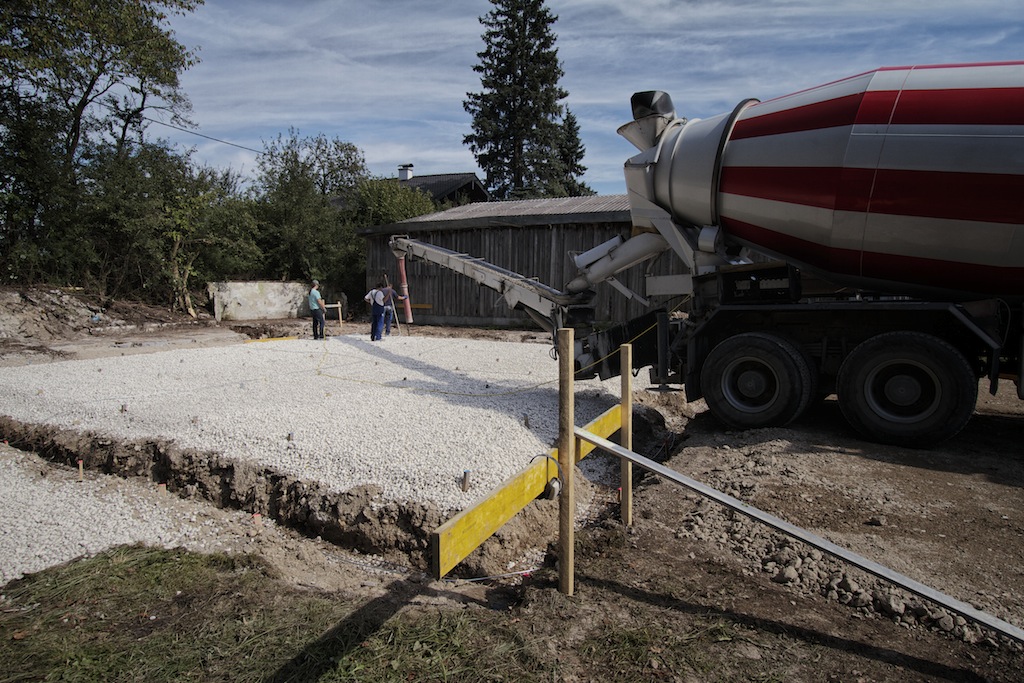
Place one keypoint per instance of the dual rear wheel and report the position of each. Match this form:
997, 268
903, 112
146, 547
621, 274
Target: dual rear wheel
907, 388
757, 380
904, 388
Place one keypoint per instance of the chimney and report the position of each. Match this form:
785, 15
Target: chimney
405, 172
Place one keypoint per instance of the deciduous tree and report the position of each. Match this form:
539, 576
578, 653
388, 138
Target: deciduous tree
77, 81
99, 61
302, 234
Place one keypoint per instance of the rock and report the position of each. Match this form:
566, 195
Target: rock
810, 576
849, 585
860, 599
787, 575
784, 556
889, 604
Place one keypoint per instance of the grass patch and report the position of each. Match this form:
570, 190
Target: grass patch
145, 614
657, 650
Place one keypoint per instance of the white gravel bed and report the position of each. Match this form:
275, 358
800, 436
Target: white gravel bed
408, 413
54, 518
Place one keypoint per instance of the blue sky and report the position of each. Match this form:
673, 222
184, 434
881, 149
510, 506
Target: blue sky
390, 76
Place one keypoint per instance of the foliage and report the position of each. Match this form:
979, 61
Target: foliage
570, 155
36, 192
97, 61
517, 136
230, 250
156, 221
305, 191
207, 224
382, 201
88, 199
81, 191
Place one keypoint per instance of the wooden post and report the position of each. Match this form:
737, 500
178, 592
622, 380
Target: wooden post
567, 461
626, 434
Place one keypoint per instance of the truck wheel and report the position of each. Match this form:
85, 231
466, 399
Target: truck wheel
907, 389
756, 380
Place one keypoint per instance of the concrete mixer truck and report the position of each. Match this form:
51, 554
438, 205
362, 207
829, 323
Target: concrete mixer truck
894, 203
864, 238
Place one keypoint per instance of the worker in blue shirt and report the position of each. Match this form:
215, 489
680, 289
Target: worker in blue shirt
316, 307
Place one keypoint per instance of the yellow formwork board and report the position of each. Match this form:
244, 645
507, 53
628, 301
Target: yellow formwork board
454, 540
606, 424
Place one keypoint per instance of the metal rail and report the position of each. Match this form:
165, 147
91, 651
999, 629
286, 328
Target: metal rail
807, 537
545, 304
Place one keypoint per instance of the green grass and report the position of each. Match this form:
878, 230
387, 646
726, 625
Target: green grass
657, 650
143, 614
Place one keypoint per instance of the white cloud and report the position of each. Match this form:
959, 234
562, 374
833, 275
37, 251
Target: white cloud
390, 76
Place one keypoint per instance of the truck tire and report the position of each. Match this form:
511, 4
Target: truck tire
906, 388
756, 380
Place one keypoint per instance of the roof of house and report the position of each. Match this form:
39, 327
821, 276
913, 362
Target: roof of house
519, 213
445, 186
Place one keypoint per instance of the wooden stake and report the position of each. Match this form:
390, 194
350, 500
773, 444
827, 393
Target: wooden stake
567, 461
626, 434
454, 540
81, 470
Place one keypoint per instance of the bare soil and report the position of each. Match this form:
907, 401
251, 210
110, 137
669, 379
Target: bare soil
951, 517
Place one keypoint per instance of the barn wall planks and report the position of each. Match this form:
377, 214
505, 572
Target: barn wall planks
541, 251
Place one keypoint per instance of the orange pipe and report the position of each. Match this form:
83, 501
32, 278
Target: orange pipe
403, 288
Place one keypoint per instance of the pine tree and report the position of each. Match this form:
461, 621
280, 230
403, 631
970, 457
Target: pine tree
570, 152
519, 138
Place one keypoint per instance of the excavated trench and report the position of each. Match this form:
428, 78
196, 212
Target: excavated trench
154, 422
357, 518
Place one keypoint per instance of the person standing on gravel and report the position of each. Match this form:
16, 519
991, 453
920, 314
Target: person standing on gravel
316, 307
376, 299
390, 295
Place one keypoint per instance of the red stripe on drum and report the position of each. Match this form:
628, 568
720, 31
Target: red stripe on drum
877, 106
795, 249
982, 278
977, 106
869, 269
811, 186
981, 197
841, 111
997, 106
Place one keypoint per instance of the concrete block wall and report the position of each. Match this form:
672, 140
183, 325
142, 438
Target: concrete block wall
258, 300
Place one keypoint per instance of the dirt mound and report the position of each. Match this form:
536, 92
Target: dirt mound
39, 315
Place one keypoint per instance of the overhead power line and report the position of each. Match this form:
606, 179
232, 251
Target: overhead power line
192, 132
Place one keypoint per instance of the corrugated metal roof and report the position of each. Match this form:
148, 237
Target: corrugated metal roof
594, 209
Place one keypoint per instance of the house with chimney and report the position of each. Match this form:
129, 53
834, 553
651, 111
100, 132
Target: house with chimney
452, 189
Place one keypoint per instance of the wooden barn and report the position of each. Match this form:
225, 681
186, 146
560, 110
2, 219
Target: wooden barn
535, 238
